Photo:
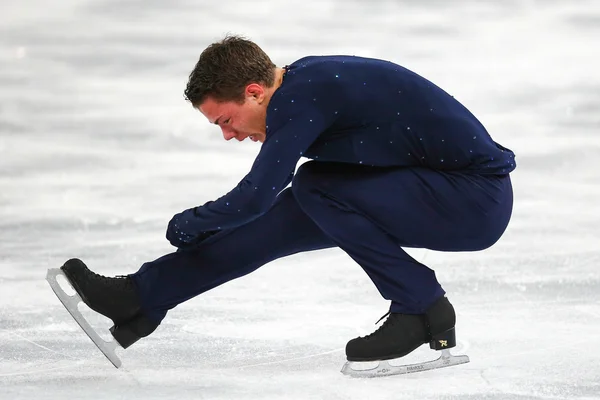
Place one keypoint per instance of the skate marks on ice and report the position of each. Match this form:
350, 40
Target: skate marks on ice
55, 360
372, 369
289, 359
368, 369
108, 348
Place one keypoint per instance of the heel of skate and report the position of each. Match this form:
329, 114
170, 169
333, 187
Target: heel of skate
133, 330
124, 335
444, 340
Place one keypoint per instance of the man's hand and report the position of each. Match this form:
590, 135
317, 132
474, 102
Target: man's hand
181, 232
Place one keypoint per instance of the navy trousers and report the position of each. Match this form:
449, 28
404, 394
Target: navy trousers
369, 212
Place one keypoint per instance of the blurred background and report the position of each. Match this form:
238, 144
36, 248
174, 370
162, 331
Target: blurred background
98, 149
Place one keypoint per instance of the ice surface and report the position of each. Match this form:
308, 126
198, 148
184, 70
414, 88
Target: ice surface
98, 150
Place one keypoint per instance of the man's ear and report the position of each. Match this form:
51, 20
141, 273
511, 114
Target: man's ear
256, 91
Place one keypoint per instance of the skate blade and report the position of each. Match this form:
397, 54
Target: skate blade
70, 303
384, 368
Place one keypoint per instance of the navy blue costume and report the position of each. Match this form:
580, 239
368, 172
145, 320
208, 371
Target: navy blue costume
396, 162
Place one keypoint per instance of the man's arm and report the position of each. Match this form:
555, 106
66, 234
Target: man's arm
292, 134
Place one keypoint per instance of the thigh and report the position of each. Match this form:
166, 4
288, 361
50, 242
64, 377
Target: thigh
283, 230
448, 211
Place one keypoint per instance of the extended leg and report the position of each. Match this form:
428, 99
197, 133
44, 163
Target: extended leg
174, 278
138, 303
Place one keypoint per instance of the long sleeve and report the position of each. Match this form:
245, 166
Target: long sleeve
294, 121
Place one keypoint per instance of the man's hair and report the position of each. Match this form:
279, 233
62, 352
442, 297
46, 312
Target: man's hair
225, 68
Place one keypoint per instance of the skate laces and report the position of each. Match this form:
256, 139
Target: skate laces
384, 327
119, 279
384, 315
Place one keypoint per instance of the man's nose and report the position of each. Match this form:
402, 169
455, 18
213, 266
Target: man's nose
228, 134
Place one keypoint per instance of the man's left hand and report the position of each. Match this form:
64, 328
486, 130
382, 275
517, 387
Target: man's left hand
181, 232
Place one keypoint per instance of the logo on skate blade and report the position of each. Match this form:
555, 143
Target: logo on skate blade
444, 343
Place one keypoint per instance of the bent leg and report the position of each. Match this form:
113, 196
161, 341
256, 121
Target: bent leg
371, 212
174, 278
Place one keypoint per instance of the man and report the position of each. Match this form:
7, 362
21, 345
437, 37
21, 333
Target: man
396, 162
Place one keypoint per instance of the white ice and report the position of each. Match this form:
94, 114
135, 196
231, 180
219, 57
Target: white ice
98, 150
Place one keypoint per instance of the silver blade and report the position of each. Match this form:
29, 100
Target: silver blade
384, 368
71, 303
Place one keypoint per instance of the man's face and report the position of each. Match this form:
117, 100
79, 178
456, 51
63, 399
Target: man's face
239, 121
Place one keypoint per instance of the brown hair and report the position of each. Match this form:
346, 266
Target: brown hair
225, 68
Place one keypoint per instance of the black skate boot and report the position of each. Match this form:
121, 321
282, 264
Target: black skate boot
400, 334
115, 298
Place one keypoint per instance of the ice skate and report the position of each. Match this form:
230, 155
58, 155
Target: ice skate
401, 334
115, 298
